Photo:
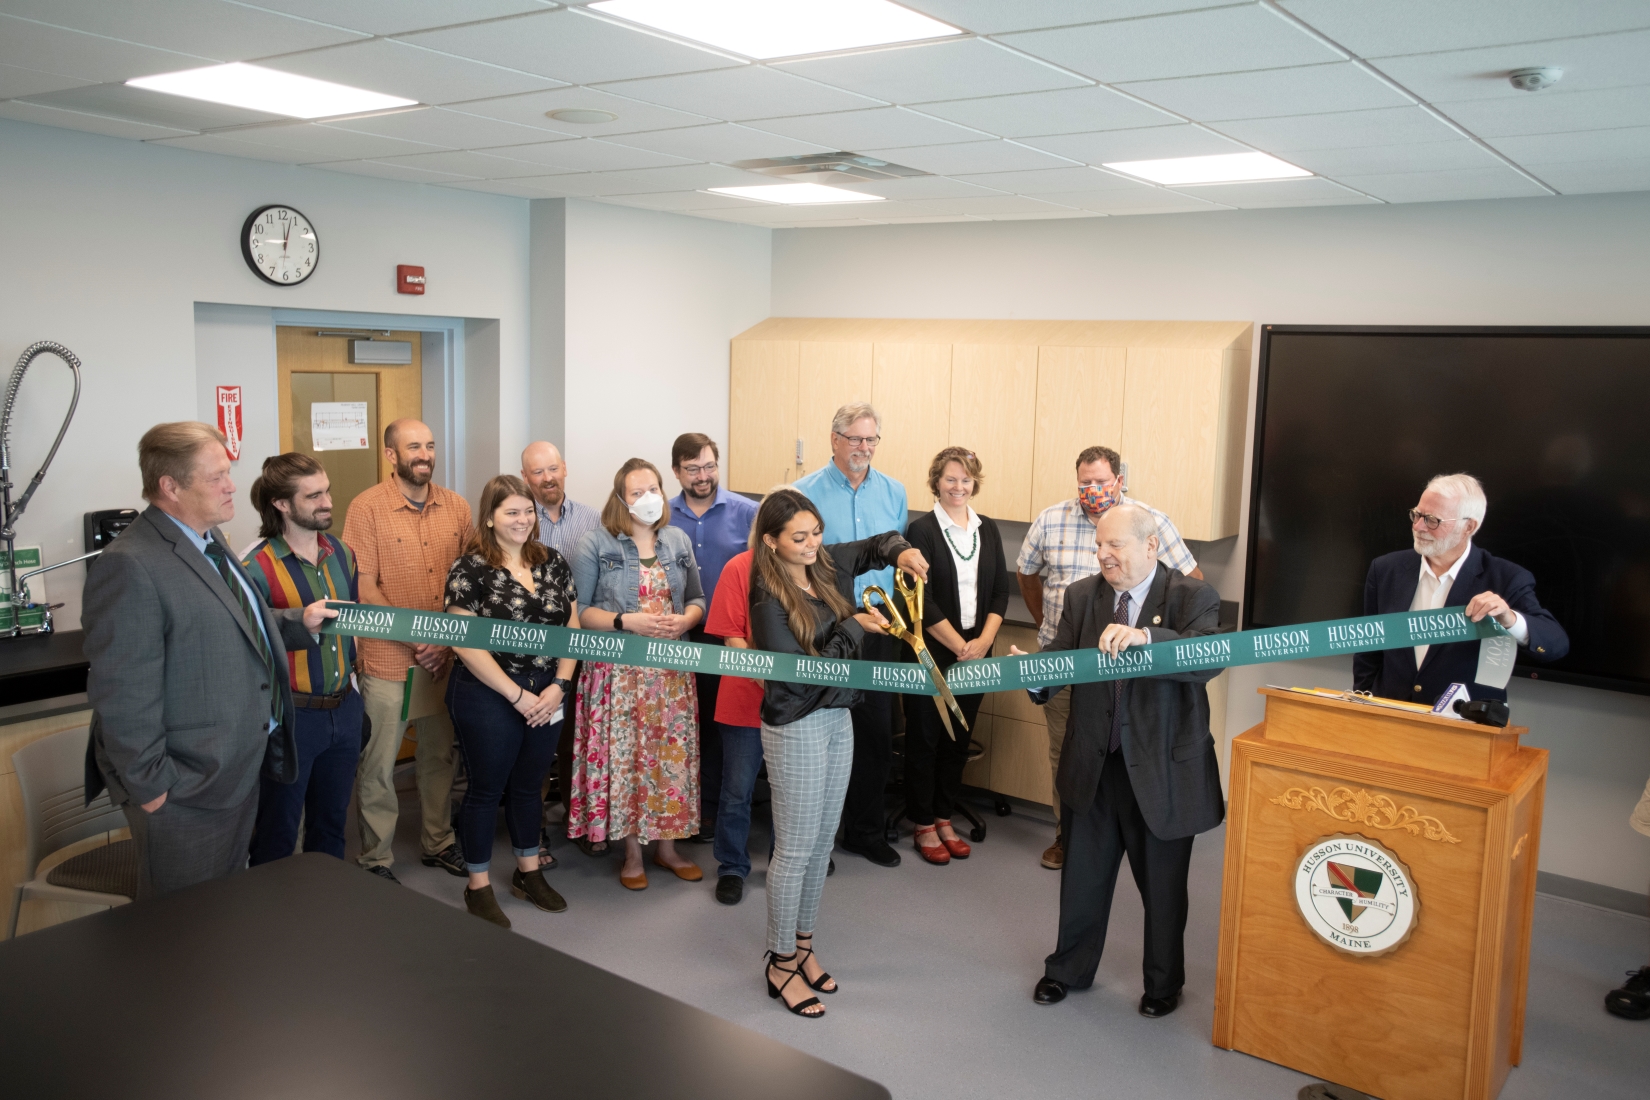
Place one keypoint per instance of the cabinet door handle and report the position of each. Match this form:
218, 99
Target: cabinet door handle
799, 452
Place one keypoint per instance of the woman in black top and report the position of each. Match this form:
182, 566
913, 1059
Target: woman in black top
802, 602
507, 707
963, 610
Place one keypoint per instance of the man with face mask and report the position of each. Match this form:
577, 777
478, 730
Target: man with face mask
1444, 569
1059, 551
406, 532
563, 521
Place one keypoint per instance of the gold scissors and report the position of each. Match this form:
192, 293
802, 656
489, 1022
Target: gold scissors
912, 595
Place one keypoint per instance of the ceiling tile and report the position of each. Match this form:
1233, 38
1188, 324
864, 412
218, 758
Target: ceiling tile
1420, 156
1340, 130
1137, 199
388, 171
921, 187
207, 28
323, 143
1270, 93
439, 126
572, 46
995, 16
1538, 149
1051, 181
588, 155
151, 108
681, 201
1552, 112
1269, 193
1069, 111
15, 81
532, 109
986, 204
24, 111
1218, 40
397, 16
970, 156
720, 141
934, 70
54, 50
1377, 28
877, 128
399, 69
684, 177
232, 147
1596, 61
753, 91
1469, 183
1063, 214
1149, 144
1585, 177
513, 188
471, 165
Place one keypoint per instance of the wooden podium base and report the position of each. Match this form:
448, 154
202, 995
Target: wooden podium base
1441, 1013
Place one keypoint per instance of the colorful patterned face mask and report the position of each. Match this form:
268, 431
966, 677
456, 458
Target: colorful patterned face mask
1097, 499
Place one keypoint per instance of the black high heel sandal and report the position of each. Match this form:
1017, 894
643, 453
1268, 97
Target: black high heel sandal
819, 986
776, 991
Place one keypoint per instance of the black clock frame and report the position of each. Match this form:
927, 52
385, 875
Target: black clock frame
246, 244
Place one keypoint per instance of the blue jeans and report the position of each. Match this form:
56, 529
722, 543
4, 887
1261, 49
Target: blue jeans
506, 761
741, 760
329, 745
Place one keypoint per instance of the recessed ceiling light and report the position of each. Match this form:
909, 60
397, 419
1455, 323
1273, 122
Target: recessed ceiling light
781, 28
796, 194
1225, 168
269, 90
581, 116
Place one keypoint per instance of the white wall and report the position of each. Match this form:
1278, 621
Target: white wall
110, 244
1564, 261
651, 302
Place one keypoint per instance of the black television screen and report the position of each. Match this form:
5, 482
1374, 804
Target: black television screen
1352, 422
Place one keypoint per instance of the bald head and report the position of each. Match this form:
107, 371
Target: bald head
544, 471
409, 446
1126, 544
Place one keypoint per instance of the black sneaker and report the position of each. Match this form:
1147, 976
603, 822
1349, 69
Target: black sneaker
1632, 1000
876, 850
729, 889
449, 860
384, 873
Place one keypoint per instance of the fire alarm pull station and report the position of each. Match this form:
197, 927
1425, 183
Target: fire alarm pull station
409, 279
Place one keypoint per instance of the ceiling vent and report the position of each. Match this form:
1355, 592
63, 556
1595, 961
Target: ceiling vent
818, 167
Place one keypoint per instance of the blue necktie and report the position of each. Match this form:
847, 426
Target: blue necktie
1119, 615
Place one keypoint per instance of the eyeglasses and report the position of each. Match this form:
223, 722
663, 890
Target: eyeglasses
697, 471
1432, 522
861, 440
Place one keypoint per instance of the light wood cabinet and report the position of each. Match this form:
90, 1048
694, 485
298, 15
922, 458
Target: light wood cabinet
1026, 396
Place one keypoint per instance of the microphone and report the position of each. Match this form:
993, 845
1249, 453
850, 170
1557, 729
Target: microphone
1486, 712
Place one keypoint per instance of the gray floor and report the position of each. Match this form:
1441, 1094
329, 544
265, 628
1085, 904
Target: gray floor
937, 964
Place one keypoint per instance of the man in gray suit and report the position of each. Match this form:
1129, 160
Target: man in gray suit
1138, 774
188, 682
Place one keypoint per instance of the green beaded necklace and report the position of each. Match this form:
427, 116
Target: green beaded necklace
972, 550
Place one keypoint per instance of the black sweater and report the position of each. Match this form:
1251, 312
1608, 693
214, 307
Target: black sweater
784, 703
991, 586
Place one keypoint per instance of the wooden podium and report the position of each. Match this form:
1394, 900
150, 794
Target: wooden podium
1438, 1014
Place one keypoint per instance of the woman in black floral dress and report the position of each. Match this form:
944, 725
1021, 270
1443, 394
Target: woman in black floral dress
507, 708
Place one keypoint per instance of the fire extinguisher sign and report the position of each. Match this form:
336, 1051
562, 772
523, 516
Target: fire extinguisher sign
229, 419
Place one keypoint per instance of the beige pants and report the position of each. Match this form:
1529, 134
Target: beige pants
1054, 713
375, 777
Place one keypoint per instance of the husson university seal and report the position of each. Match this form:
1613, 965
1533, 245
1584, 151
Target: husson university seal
1355, 895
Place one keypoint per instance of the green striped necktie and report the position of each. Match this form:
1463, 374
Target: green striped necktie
254, 622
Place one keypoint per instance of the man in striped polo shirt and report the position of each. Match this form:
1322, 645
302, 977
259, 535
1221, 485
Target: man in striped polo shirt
295, 564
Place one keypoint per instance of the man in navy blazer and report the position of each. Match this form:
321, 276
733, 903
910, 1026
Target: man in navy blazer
1446, 570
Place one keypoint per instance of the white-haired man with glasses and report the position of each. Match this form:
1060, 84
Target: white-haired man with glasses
1445, 569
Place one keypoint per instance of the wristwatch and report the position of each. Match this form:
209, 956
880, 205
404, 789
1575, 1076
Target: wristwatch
618, 621
566, 686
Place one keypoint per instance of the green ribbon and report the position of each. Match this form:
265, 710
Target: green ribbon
1399, 630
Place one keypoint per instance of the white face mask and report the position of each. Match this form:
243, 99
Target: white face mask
649, 507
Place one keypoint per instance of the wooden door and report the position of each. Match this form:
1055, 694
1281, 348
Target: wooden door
911, 388
314, 368
1079, 405
833, 375
993, 408
762, 427
1172, 436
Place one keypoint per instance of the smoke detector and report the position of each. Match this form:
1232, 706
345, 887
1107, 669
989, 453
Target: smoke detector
1534, 80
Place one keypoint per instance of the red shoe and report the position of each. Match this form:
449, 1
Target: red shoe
956, 845
937, 854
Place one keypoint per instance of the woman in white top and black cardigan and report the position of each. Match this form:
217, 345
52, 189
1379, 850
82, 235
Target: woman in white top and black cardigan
968, 588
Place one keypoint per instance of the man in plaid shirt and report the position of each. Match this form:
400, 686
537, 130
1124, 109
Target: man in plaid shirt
1058, 551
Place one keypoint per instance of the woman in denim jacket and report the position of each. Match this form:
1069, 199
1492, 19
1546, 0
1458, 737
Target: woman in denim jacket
636, 730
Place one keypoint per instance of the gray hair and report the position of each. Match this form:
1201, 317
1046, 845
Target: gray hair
850, 414
1142, 524
1465, 490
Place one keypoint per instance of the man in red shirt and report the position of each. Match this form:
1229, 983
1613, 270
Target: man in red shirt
739, 720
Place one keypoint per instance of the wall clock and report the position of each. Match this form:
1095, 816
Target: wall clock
279, 245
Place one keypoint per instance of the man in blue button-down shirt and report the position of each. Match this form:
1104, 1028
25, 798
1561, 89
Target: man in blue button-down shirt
856, 502
719, 523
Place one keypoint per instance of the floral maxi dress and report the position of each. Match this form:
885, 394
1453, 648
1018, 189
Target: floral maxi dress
636, 744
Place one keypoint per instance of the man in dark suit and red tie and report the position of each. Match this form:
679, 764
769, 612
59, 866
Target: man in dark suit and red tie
1138, 774
1446, 570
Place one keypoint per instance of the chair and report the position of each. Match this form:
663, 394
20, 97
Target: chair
51, 772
